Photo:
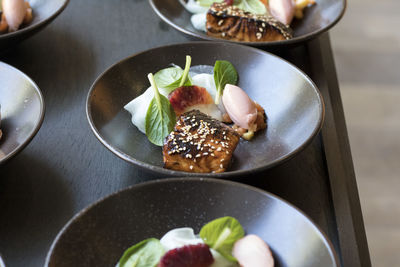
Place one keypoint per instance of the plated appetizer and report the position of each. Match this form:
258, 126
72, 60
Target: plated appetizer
197, 115
246, 20
14, 14
220, 243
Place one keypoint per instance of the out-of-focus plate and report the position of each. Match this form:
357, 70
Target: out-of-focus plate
292, 102
99, 234
317, 19
44, 11
22, 110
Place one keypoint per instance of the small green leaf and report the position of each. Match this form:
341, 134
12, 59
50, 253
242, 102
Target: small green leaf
146, 253
160, 116
252, 6
221, 234
174, 77
165, 78
224, 73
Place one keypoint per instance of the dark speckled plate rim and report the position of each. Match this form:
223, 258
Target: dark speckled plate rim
227, 174
295, 40
33, 26
38, 123
160, 181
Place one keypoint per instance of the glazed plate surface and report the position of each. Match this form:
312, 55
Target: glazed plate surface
22, 111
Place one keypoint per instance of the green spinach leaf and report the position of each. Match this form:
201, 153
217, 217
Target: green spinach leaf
146, 253
160, 116
167, 77
224, 73
221, 234
174, 77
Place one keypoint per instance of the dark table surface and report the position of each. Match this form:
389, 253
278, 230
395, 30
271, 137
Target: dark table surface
65, 168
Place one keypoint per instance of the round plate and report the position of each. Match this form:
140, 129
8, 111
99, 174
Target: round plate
22, 110
44, 11
317, 19
99, 234
292, 103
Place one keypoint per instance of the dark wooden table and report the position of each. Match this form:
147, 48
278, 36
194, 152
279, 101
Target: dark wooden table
65, 168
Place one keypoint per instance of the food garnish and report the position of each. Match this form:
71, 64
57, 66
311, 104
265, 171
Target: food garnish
216, 246
160, 117
224, 73
146, 253
174, 77
221, 234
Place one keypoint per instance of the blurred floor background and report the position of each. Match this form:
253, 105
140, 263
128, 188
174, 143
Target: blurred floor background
366, 45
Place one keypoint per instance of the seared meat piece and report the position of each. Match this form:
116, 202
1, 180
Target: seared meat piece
232, 23
199, 144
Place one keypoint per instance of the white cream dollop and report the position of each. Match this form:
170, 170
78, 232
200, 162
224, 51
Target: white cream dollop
240, 108
252, 251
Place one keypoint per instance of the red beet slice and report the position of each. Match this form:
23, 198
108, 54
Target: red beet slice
188, 256
186, 96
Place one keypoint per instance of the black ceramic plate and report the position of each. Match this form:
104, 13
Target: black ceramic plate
22, 110
292, 103
99, 234
44, 11
317, 19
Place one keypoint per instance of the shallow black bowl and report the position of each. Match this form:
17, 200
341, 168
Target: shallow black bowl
22, 111
317, 19
292, 103
44, 11
99, 234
